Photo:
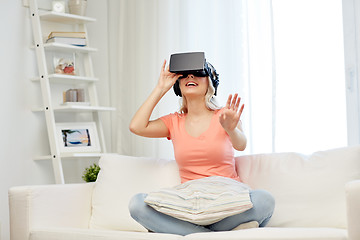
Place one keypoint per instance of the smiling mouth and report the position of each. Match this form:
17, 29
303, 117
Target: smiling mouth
191, 84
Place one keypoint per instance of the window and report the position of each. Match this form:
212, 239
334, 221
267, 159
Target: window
310, 75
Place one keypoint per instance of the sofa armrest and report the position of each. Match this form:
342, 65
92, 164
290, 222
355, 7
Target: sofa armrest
353, 209
67, 205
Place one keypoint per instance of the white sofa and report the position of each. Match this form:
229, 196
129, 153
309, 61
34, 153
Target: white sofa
317, 197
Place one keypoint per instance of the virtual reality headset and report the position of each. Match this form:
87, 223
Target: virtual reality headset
192, 63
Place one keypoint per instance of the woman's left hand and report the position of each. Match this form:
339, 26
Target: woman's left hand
230, 116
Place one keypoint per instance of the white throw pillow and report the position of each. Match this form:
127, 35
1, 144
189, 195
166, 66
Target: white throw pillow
120, 178
203, 201
309, 190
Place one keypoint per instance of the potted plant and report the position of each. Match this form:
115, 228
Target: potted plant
91, 173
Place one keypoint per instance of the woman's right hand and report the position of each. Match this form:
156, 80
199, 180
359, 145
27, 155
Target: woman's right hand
167, 79
141, 123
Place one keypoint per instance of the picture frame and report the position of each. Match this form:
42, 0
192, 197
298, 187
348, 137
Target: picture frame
78, 137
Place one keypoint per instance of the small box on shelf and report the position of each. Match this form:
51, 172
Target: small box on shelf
74, 97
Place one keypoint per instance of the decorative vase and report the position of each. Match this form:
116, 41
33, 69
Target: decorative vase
77, 7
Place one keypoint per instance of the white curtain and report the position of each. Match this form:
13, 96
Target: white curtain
237, 38
145, 32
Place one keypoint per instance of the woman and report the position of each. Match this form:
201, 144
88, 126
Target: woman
203, 137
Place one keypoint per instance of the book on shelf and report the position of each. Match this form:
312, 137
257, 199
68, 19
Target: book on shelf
68, 40
67, 34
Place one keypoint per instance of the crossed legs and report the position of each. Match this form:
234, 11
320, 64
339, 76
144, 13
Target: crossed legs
263, 207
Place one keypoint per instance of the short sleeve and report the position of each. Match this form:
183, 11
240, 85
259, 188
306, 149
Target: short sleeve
168, 120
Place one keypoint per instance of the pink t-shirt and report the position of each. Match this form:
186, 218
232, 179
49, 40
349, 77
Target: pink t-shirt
210, 154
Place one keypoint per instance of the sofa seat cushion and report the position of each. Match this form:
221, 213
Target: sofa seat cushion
90, 234
274, 234
309, 190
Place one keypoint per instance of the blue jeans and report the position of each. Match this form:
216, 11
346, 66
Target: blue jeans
262, 210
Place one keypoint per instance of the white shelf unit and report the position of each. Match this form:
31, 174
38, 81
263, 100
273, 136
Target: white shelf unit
46, 79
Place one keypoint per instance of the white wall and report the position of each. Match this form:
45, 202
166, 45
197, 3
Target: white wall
23, 132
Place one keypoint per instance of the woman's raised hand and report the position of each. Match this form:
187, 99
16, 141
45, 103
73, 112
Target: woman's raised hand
141, 123
230, 116
167, 79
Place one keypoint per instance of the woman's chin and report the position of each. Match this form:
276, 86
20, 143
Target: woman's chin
193, 92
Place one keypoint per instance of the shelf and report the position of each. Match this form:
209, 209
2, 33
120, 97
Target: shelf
67, 48
71, 155
65, 18
67, 79
77, 108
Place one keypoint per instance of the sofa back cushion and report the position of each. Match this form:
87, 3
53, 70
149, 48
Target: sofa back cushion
120, 178
309, 190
